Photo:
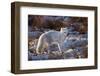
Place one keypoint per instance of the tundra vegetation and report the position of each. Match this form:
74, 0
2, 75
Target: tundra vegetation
75, 45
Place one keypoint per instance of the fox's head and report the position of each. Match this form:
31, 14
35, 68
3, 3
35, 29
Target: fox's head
64, 30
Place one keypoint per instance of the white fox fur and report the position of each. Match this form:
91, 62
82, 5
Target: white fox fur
51, 37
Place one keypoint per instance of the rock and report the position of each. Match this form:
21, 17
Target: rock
40, 57
31, 56
82, 52
55, 55
35, 34
70, 54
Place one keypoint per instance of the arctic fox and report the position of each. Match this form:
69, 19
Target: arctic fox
49, 38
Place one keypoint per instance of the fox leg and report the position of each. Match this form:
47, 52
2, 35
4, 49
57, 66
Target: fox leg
59, 47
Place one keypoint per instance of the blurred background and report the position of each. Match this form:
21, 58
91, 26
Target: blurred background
72, 49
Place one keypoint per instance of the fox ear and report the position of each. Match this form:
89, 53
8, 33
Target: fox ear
61, 29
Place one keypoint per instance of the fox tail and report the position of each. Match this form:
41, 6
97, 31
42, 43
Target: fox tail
40, 45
